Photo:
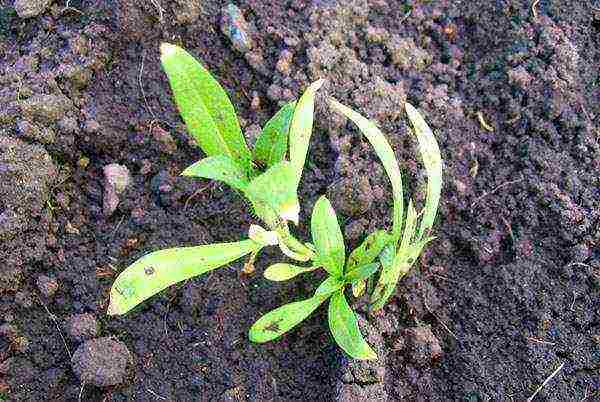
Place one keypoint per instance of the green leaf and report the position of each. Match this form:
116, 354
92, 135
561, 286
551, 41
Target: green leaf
432, 159
361, 273
386, 154
329, 286
277, 322
368, 250
327, 238
388, 273
273, 192
283, 272
271, 144
409, 227
221, 168
159, 270
344, 328
204, 106
301, 129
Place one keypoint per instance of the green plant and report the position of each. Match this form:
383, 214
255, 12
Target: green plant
262, 176
270, 183
396, 250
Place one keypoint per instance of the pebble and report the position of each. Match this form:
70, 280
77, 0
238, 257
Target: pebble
236, 28
102, 362
116, 180
423, 346
31, 8
284, 62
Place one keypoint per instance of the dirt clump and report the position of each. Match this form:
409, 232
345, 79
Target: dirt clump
101, 362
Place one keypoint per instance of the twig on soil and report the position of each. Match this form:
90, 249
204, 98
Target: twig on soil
534, 8
508, 183
155, 394
156, 4
197, 192
483, 123
574, 298
541, 341
118, 226
141, 72
81, 391
580, 264
438, 320
53, 318
546, 381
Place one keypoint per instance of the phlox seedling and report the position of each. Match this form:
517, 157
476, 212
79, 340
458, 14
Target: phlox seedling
268, 177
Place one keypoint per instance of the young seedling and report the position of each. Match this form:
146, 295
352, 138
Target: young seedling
330, 254
406, 241
396, 250
263, 176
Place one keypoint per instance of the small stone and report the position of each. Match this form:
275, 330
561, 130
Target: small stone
82, 327
255, 103
46, 108
519, 76
166, 140
423, 346
31, 8
83, 162
376, 35
284, 62
252, 133
236, 28
8, 331
116, 180
406, 54
31, 131
91, 126
146, 167
68, 125
47, 285
187, 11
102, 362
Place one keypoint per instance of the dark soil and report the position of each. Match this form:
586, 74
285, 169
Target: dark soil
507, 293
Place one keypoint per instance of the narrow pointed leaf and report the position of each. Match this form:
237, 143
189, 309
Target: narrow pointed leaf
361, 273
328, 287
279, 321
327, 237
386, 154
301, 129
159, 270
221, 168
271, 144
432, 159
409, 227
283, 272
274, 191
204, 106
344, 328
388, 272
368, 250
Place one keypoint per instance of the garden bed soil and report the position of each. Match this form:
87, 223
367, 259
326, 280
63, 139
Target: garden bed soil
506, 295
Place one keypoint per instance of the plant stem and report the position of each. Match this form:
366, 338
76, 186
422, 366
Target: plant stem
294, 244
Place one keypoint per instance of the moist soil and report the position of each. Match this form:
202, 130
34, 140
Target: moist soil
506, 295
